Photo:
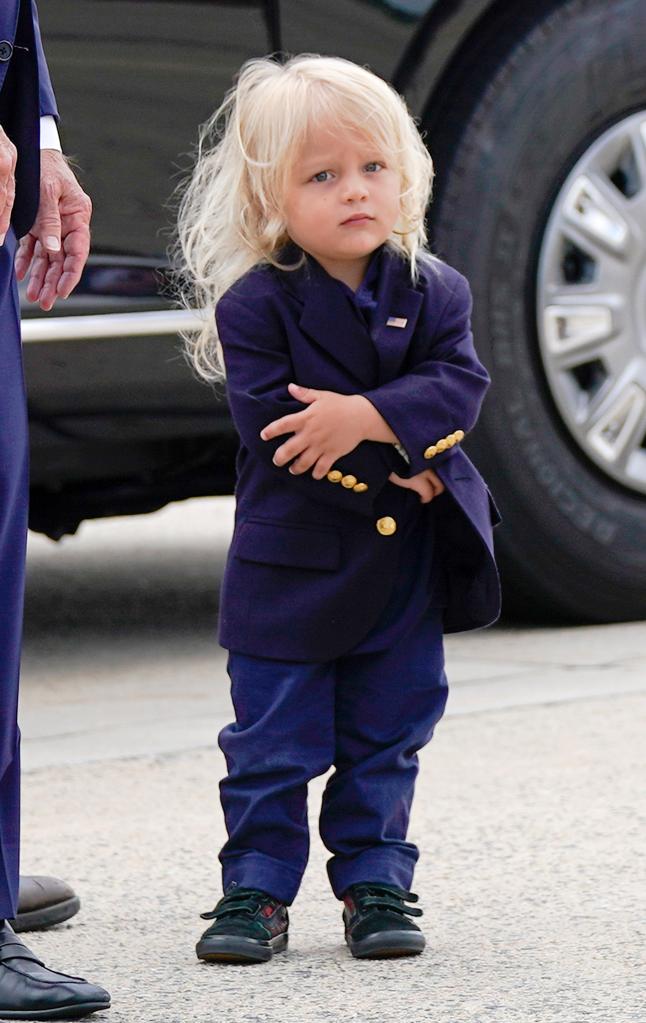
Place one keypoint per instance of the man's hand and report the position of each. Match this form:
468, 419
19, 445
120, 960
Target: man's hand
7, 182
331, 426
58, 244
426, 484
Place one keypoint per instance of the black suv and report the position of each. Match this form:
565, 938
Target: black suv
535, 114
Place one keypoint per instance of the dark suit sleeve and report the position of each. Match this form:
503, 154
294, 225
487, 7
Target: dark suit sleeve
439, 400
258, 369
46, 92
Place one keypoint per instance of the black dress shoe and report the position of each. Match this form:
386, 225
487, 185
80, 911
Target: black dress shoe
28, 990
43, 902
249, 927
375, 921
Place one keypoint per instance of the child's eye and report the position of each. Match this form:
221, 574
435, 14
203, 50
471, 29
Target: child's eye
320, 176
373, 165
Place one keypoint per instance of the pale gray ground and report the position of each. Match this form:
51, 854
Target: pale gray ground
527, 810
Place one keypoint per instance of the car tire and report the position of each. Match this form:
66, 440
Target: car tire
572, 545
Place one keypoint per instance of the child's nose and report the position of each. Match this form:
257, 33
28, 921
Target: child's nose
355, 187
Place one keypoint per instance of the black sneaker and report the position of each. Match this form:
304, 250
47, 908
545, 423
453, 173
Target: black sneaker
375, 921
249, 927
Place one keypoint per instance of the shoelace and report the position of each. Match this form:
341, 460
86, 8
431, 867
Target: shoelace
243, 901
367, 896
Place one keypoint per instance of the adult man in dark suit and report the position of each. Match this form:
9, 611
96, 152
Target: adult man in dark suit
42, 204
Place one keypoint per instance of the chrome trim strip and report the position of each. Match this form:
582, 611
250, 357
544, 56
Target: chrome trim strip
82, 328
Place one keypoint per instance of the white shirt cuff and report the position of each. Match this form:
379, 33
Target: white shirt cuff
402, 452
49, 134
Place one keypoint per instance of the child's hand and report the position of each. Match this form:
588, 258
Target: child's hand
331, 426
426, 484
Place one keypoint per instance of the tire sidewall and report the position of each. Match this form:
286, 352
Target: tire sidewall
567, 82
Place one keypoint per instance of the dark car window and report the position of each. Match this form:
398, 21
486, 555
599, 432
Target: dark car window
133, 81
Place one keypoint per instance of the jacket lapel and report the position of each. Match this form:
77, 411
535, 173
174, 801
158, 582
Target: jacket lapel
399, 303
329, 320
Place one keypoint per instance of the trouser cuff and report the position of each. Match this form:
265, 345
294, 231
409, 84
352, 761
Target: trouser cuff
257, 870
371, 865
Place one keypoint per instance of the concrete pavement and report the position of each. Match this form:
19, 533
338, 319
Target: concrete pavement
527, 810
531, 878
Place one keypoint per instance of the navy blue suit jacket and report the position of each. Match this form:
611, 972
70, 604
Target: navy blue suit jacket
310, 567
26, 94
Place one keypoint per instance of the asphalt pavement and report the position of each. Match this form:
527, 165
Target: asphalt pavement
528, 812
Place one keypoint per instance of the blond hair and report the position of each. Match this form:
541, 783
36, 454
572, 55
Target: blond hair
229, 212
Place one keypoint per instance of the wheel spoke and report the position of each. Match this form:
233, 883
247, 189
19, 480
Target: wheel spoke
620, 426
597, 213
638, 138
576, 332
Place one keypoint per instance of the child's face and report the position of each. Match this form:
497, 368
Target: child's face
336, 176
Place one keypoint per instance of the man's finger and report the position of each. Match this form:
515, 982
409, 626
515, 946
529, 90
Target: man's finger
24, 255
48, 225
8, 155
77, 248
7, 196
39, 267
47, 295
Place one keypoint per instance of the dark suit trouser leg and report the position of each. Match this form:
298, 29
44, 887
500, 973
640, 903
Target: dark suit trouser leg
387, 706
369, 714
283, 736
13, 534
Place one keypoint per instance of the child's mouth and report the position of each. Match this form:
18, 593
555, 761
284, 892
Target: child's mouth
361, 219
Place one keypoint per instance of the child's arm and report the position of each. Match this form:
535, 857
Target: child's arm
423, 413
430, 408
258, 371
332, 425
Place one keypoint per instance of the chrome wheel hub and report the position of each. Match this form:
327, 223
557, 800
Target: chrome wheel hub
591, 302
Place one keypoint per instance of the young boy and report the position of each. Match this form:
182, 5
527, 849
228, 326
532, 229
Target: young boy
350, 371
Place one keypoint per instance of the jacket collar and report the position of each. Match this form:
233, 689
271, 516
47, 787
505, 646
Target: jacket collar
325, 309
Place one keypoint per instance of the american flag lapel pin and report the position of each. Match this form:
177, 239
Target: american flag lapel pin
396, 321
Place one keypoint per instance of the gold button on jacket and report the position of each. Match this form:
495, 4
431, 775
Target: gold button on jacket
386, 525
348, 481
335, 476
360, 488
444, 444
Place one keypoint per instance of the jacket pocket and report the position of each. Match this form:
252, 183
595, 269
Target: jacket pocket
278, 543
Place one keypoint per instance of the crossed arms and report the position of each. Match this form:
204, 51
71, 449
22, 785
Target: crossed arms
354, 434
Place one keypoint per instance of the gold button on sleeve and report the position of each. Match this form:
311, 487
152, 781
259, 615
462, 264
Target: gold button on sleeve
348, 481
386, 525
442, 444
459, 435
430, 451
360, 488
335, 475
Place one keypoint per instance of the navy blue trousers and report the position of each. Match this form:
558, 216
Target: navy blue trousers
368, 715
13, 536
